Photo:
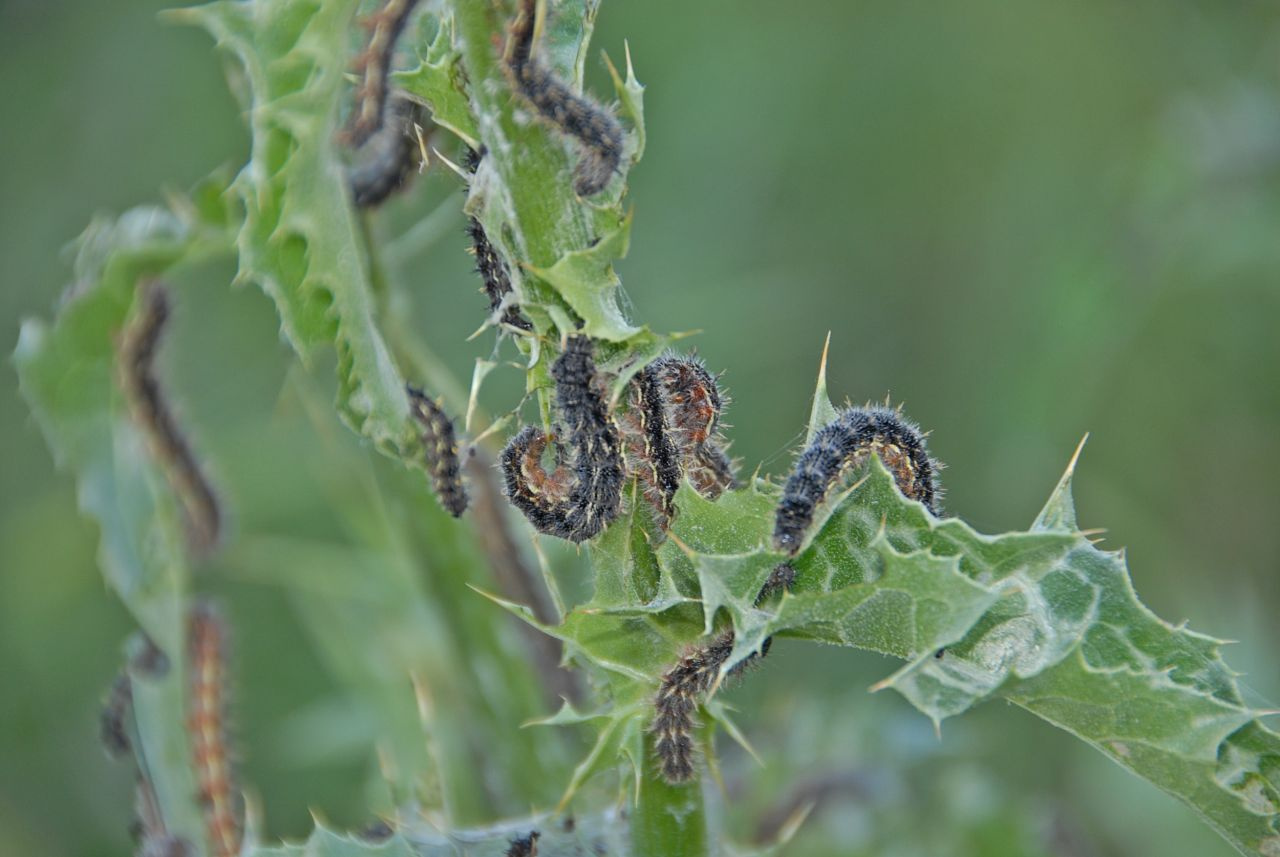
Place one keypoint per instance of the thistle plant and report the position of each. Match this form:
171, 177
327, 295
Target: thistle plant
697, 565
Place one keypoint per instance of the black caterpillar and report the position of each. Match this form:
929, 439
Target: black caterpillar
389, 158
596, 131
844, 445
584, 494
684, 685
202, 512
524, 846
441, 447
490, 266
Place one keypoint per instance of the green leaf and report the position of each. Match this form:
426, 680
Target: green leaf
300, 241
438, 81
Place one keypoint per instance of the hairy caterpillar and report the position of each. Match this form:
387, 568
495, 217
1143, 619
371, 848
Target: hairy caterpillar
137, 352
206, 723
373, 65
651, 454
388, 158
684, 685
679, 694
693, 404
843, 445
441, 447
492, 269
597, 132
524, 846
584, 494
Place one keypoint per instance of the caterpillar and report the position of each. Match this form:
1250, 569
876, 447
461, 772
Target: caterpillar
373, 64
492, 269
651, 453
137, 353
113, 728
693, 403
597, 132
844, 445
524, 846
386, 160
679, 693
207, 725
441, 446
683, 686
584, 493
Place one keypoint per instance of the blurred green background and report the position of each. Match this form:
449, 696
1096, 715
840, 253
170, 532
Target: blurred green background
1027, 221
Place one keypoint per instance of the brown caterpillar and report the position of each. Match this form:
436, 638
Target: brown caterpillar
207, 725
113, 728
490, 266
373, 65
441, 447
137, 353
597, 132
390, 157
651, 454
584, 494
844, 445
524, 846
693, 403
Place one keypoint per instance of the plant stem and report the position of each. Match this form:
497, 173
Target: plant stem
669, 820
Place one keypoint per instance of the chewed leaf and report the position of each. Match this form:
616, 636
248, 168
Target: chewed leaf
585, 279
300, 241
438, 81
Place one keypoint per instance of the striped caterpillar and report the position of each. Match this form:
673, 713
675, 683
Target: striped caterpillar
373, 65
684, 686
845, 445
671, 430
597, 132
583, 494
137, 353
490, 265
207, 725
441, 447
386, 161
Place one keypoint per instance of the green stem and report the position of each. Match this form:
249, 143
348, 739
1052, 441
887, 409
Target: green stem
669, 820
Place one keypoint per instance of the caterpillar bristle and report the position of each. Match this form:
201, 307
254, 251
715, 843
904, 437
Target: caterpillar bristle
845, 445
491, 267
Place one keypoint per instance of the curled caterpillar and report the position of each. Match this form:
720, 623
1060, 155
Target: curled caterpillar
651, 453
441, 447
389, 158
207, 725
597, 132
524, 846
373, 65
490, 266
137, 353
584, 493
844, 445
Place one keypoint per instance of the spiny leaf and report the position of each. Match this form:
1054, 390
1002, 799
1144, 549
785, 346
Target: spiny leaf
300, 241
